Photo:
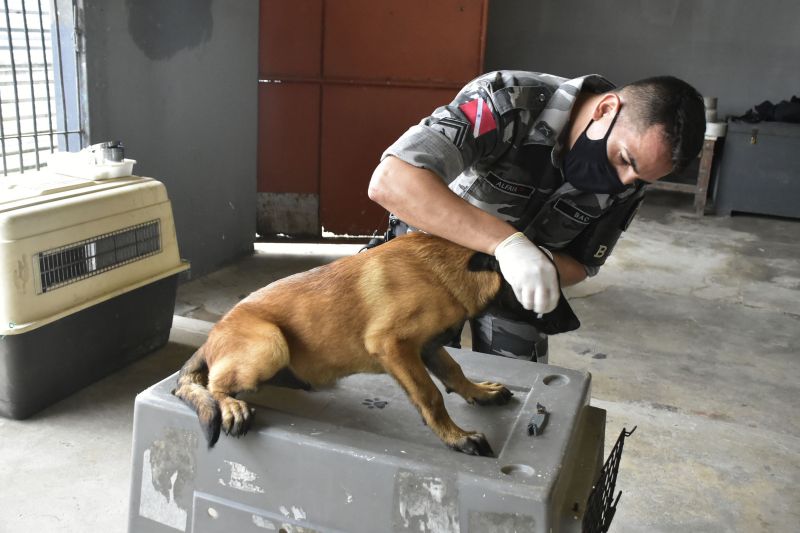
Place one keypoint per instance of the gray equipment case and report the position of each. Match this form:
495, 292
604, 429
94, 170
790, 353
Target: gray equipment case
358, 458
760, 170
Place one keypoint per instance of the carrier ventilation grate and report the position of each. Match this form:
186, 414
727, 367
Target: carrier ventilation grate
67, 264
602, 505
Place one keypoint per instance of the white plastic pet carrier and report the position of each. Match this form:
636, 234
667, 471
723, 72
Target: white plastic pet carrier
89, 272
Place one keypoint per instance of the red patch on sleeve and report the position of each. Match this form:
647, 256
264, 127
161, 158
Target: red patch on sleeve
479, 115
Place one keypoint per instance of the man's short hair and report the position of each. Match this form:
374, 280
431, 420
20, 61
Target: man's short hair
673, 104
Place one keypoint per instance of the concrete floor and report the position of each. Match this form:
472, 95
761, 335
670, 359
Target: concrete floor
691, 333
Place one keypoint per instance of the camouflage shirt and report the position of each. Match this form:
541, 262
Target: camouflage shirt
498, 145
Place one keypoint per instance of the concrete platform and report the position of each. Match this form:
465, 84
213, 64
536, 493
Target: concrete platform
692, 331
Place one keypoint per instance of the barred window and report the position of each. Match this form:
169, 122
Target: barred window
39, 82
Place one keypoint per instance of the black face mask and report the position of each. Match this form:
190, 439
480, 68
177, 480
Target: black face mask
587, 168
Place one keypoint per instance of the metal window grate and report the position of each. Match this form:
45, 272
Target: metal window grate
34, 102
80, 260
602, 505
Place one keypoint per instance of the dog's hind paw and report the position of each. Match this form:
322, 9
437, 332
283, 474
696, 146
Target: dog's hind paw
473, 444
236, 417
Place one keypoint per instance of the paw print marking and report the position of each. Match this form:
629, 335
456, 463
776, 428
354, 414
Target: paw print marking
373, 403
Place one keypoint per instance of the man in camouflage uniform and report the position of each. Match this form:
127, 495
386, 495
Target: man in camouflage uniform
541, 160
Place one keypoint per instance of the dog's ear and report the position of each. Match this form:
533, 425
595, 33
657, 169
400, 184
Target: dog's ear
480, 262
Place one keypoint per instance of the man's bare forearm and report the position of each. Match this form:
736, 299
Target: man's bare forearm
570, 271
421, 199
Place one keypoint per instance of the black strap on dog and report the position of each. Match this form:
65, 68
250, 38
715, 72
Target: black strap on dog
391, 232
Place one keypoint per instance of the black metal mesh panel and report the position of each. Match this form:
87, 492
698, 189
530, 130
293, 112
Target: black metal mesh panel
67, 264
602, 505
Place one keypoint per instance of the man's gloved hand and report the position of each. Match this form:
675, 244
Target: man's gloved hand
530, 273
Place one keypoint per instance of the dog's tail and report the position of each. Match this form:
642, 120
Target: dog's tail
192, 381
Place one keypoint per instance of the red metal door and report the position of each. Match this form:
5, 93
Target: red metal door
340, 80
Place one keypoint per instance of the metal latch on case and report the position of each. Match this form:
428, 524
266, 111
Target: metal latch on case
538, 421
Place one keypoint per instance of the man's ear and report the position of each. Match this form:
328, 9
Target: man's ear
608, 104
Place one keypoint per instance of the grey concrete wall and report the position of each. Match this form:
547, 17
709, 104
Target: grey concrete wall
176, 81
742, 51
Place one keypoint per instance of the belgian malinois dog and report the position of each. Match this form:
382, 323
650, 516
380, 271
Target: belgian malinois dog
389, 309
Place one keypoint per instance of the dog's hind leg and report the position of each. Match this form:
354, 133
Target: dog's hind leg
442, 365
403, 362
248, 357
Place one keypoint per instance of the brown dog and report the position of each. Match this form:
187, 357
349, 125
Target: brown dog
389, 309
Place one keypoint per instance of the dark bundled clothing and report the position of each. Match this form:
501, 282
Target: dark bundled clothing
784, 111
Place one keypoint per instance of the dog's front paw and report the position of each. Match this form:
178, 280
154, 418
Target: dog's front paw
492, 394
473, 444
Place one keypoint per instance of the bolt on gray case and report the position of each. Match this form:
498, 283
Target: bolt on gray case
358, 458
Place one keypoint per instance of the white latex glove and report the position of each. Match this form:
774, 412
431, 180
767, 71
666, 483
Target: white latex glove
529, 272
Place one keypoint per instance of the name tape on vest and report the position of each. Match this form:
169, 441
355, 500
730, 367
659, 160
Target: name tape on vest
569, 210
